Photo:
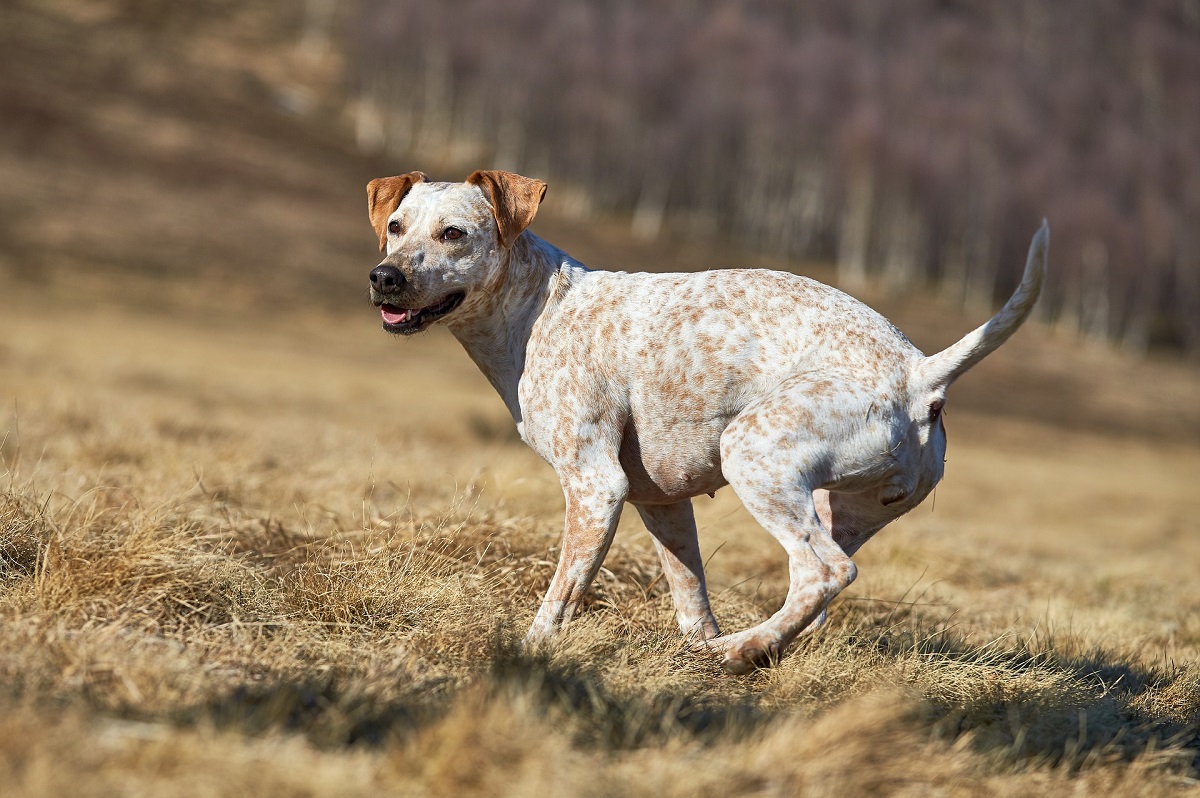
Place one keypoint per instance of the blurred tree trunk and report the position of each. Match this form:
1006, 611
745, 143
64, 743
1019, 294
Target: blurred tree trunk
971, 263
981, 267
369, 132
756, 210
319, 19
1094, 305
854, 241
651, 208
401, 125
805, 211
904, 240
1139, 315
1187, 292
437, 108
1143, 291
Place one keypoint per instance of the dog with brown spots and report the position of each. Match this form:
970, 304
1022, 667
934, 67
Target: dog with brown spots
655, 388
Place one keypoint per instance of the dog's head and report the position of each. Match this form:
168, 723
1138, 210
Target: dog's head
443, 241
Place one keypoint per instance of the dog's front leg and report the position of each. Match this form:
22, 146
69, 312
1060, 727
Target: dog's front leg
673, 528
594, 500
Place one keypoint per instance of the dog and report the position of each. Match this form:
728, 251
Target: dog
652, 389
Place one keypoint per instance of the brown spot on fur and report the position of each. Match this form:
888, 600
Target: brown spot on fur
384, 195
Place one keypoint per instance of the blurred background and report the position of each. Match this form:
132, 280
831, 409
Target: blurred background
919, 141
915, 144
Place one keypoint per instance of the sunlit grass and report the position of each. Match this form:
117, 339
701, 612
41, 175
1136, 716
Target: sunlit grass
303, 567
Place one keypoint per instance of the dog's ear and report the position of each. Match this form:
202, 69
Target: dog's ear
514, 199
383, 197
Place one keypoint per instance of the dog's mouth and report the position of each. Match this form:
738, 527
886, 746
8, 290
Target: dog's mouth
407, 321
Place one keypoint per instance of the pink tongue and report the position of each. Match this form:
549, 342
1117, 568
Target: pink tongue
393, 315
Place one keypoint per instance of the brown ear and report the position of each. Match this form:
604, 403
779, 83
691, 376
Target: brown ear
514, 199
383, 197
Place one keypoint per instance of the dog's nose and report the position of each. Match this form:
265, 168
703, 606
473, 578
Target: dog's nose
385, 279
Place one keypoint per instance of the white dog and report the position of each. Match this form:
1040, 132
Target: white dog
654, 388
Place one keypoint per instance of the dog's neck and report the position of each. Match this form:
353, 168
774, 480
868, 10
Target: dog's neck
536, 274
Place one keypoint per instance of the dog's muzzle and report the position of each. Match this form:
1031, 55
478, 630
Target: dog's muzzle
387, 279
388, 289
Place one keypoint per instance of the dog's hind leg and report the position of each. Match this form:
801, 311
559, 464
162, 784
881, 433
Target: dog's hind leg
673, 528
774, 454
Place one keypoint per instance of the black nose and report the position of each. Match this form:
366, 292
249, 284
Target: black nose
385, 279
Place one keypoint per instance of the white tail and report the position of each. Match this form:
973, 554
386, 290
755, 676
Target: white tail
943, 368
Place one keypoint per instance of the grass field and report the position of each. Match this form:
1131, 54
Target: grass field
250, 545
245, 554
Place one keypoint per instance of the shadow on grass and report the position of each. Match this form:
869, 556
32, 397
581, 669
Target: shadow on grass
334, 712
1042, 708
325, 712
606, 718
1047, 707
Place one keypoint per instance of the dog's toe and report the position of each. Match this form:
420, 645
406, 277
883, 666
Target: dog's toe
748, 656
737, 665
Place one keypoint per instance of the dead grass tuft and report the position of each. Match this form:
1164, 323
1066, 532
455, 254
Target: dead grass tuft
159, 567
24, 531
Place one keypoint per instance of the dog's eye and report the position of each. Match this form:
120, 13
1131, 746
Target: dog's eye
394, 227
452, 234
935, 409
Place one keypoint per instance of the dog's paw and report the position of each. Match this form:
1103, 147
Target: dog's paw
748, 657
537, 643
742, 654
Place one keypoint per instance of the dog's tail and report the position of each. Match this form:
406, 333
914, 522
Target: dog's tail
943, 368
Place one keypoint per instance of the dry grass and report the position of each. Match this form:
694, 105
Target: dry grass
248, 559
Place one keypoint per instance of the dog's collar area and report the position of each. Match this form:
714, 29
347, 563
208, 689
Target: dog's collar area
410, 320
